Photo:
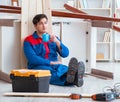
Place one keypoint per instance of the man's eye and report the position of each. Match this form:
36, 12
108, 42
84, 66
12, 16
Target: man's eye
45, 22
40, 23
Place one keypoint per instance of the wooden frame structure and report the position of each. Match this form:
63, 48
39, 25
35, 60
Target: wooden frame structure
77, 14
104, 22
10, 9
43, 6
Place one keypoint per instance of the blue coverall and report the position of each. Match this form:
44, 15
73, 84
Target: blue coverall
39, 54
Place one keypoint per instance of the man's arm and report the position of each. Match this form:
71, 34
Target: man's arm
61, 48
32, 57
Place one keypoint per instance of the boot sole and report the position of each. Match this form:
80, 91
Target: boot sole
72, 69
81, 70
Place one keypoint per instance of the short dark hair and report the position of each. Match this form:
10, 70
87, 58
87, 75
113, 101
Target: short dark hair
38, 17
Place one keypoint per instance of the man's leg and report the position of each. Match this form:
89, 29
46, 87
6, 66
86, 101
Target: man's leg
56, 72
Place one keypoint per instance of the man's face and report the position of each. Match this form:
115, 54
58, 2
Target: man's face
41, 26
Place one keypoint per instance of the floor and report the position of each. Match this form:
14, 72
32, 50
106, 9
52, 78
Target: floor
91, 86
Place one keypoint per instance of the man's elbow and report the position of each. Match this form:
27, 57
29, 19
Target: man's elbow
65, 55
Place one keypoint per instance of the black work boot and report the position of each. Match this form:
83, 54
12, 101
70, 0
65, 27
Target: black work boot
79, 75
72, 69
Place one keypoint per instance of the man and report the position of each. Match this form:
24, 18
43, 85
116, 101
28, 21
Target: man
44, 55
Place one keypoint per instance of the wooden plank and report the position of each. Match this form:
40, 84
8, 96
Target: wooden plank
73, 9
47, 11
102, 73
5, 77
39, 6
32, 10
116, 28
10, 7
98, 76
6, 22
11, 11
95, 23
51, 95
36, 94
24, 29
102, 24
17, 56
83, 16
24, 18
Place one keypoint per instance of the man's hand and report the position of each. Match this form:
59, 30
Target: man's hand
54, 39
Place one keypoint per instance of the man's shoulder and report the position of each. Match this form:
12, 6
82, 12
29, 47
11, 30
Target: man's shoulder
29, 37
33, 40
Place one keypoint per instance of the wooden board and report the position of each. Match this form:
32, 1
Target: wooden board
5, 77
102, 73
83, 16
6, 22
116, 28
51, 95
102, 24
73, 9
47, 11
36, 94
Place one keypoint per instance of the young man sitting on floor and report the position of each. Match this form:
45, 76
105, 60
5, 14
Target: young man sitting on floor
44, 55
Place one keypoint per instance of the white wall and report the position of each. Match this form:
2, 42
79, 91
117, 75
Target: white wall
8, 2
5, 2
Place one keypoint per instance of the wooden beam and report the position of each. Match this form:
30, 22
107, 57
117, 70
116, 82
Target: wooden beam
51, 95
102, 73
77, 14
47, 11
6, 22
10, 7
11, 11
116, 28
95, 23
5, 77
98, 76
83, 16
102, 24
73, 9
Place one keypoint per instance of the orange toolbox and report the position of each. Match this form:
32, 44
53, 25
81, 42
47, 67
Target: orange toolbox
25, 80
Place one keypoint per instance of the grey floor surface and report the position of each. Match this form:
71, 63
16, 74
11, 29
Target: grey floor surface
91, 85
